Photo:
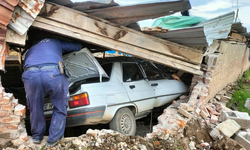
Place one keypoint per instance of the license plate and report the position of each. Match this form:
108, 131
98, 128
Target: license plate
48, 106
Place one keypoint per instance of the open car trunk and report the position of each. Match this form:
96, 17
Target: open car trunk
82, 65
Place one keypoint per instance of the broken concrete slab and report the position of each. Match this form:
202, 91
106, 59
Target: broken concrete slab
215, 134
243, 138
247, 104
242, 118
228, 127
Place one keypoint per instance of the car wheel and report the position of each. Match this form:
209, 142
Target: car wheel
124, 122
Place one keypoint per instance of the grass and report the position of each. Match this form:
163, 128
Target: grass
241, 94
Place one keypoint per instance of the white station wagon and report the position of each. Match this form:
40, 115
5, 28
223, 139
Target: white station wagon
117, 92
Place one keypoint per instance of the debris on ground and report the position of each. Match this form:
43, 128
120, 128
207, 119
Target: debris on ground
182, 126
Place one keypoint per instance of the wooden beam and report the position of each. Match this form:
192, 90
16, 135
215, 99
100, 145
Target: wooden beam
116, 32
80, 34
14, 38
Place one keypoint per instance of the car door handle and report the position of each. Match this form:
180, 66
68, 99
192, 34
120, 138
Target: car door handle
154, 84
132, 86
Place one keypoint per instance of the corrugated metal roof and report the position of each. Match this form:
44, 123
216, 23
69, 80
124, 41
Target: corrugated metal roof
218, 28
125, 15
203, 33
25, 14
6, 9
192, 36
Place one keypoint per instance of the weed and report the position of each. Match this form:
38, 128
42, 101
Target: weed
241, 94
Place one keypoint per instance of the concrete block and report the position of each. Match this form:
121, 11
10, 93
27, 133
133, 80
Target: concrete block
215, 134
243, 138
247, 104
211, 59
241, 118
228, 127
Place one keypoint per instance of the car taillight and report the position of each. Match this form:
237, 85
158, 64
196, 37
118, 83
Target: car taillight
79, 100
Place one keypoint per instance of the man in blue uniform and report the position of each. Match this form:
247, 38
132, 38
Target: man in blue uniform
42, 77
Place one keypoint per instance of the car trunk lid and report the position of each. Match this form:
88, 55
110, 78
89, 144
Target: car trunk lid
81, 65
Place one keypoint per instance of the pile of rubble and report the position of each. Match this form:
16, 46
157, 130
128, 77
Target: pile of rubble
216, 123
181, 126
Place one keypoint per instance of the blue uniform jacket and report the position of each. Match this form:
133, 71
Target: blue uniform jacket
48, 51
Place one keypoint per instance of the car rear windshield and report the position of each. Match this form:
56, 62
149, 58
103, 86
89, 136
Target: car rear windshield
77, 85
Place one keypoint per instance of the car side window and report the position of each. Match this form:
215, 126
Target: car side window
131, 72
151, 72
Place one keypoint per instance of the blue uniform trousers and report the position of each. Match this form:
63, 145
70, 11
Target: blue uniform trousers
38, 84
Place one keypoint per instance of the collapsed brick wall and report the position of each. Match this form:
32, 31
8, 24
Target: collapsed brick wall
224, 66
227, 65
12, 125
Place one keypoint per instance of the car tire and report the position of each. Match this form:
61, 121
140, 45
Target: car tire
124, 122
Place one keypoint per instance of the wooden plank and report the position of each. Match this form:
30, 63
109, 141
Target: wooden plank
14, 38
119, 33
238, 37
154, 30
137, 51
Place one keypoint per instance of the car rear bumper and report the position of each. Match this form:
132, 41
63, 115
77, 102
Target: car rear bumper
80, 116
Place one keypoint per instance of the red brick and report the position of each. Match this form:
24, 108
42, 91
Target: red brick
208, 74
207, 80
11, 119
4, 113
207, 121
214, 119
197, 111
2, 128
206, 68
11, 96
212, 112
7, 107
24, 136
185, 113
204, 114
20, 110
4, 100
183, 97
14, 102
13, 126
1, 92
184, 106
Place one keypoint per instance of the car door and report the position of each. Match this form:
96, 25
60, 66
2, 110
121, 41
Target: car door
138, 89
166, 89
